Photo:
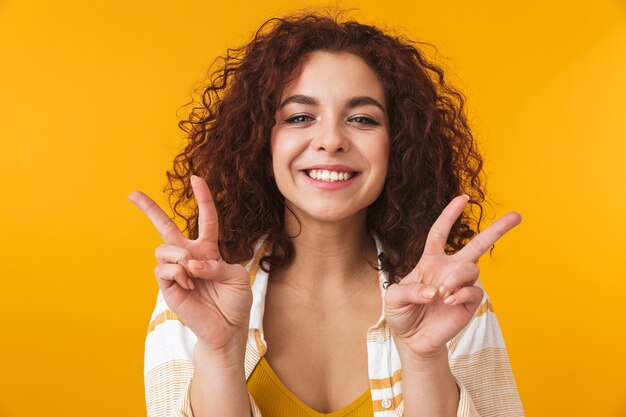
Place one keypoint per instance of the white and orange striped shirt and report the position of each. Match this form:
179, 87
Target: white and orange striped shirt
477, 355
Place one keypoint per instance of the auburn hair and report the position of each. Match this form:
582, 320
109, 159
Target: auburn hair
433, 156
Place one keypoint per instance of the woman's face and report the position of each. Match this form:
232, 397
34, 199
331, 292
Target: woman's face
330, 144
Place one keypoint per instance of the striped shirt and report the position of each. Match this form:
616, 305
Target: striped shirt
477, 356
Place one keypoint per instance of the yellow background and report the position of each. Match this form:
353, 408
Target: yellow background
89, 92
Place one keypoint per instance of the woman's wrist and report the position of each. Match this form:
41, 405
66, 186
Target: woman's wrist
423, 361
428, 384
229, 356
219, 373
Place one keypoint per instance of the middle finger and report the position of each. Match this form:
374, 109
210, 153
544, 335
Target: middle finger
485, 239
163, 223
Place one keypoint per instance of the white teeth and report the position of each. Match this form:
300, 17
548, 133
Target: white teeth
330, 176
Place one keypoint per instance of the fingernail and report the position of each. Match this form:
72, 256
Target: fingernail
442, 290
467, 197
195, 264
429, 292
450, 299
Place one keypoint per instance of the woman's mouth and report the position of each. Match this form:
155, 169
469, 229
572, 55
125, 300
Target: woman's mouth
329, 176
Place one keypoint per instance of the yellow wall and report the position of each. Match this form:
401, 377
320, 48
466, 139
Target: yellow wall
89, 93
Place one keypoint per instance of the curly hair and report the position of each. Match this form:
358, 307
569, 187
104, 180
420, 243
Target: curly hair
433, 155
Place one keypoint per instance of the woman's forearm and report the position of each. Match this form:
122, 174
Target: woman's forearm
429, 389
218, 386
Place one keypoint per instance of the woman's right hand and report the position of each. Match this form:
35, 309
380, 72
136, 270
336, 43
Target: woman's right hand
211, 297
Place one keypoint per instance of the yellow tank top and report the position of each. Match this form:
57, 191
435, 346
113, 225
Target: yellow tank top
275, 400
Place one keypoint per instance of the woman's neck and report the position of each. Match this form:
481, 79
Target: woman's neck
330, 258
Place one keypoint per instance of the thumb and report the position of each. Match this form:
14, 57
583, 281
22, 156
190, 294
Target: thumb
219, 271
399, 295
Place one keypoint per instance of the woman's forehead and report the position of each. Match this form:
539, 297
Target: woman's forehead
334, 76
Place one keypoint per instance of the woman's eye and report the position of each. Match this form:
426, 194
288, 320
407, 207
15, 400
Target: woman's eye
299, 119
364, 120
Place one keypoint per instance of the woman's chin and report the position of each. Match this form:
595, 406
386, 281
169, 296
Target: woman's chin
329, 214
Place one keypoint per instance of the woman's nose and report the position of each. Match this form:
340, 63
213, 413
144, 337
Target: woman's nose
331, 139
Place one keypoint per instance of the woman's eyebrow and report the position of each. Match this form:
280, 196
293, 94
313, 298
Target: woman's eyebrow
311, 101
300, 99
362, 101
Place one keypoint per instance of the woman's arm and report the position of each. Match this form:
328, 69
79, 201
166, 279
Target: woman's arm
478, 363
177, 368
429, 388
213, 299
218, 386
432, 306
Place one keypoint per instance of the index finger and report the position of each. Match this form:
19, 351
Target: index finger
485, 239
164, 225
440, 230
208, 224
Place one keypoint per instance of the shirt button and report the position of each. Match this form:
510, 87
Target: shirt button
386, 403
380, 338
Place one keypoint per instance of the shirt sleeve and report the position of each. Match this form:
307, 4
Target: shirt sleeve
480, 364
168, 362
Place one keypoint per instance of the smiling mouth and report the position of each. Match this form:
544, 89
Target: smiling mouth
329, 176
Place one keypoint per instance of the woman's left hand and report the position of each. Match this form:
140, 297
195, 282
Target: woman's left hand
436, 300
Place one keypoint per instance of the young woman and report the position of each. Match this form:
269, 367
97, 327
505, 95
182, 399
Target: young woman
330, 267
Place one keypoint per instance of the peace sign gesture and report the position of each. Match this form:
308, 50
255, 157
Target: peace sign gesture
210, 296
438, 298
